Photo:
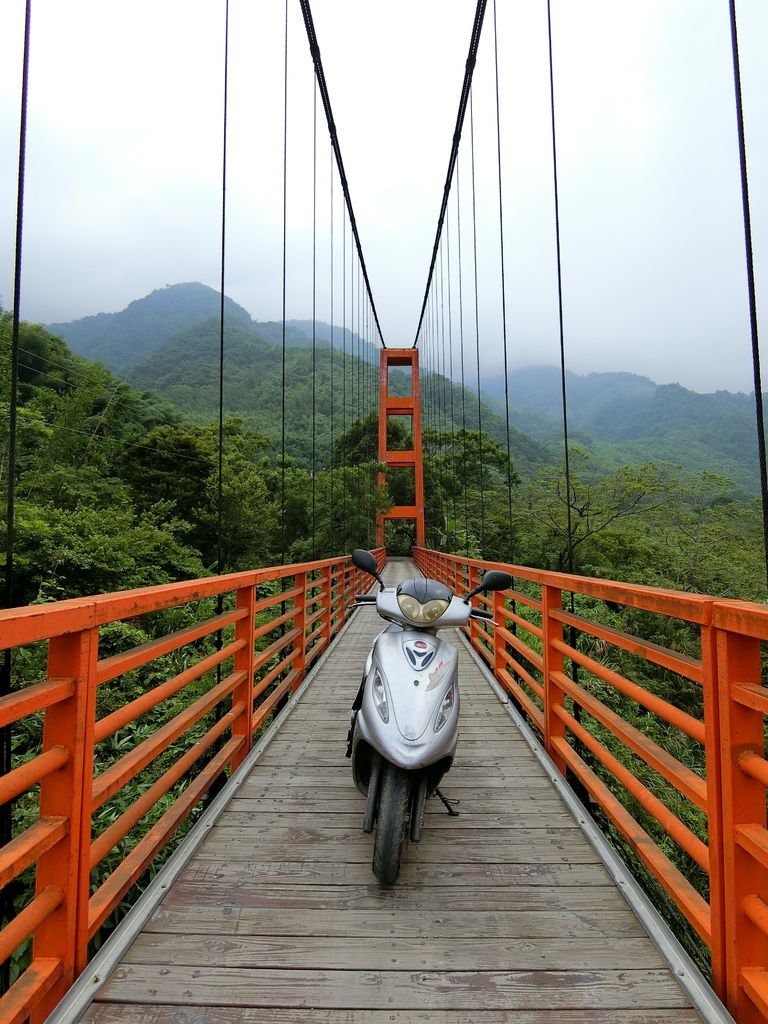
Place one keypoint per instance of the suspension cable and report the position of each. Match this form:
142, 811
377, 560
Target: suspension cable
563, 387
332, 506
314, 49
474, 42
6, 752
314, 321
450, 368
757, 376
220, 481
503, 287
477, 330
344, 373
463, 378
285, 249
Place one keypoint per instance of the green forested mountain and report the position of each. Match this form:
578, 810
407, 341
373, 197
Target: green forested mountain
121, 340
624, 418
168, 341
125, 339
184, 370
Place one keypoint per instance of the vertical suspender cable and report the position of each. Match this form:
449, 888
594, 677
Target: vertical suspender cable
569, 521
220, 487
450, 367
331, 510
285, 248
443, 393
314, 49
6, 909
314, 319
569, 553
344, 373
477, 330
464, 453
503, 289
359, 391
219, 639
466, 87
757, 376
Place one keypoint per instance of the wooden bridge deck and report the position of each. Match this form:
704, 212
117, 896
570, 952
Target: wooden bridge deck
505, 914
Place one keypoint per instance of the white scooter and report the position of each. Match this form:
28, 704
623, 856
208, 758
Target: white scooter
405, 720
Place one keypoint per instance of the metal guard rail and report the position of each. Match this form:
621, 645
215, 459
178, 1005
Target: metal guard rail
529, 650
273, 625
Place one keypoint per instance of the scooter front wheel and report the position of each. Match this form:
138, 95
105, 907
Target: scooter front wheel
392, 823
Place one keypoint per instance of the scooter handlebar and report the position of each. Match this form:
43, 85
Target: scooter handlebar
365, 599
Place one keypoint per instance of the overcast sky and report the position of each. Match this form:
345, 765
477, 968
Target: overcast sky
124, 167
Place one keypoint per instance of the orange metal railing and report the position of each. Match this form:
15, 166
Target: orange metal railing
711, 702
210, 685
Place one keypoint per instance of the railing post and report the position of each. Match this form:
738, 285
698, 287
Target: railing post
244, 658
67, 793
326, 599
554, 727
743, 806
474, 625
499, 607
714, 775
300, 623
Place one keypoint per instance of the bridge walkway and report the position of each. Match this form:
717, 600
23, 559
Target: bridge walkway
505, 914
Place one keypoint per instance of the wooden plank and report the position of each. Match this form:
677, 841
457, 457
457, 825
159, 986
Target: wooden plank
436, 852
214, 898
474, 746
437, 926
333, 802
320, 951
288, 833
320, 873
412, 990
350, 818
121, 1013
532, 775
520, 765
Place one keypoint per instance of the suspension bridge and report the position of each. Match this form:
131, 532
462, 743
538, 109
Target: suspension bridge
532, 907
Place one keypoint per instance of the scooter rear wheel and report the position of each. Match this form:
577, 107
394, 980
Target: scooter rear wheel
392, 824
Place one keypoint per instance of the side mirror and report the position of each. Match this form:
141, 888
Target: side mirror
367, 562
493, 579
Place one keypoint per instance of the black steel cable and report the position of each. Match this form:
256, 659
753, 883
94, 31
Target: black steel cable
477, 330
309, 24
564, 391
314, 321
463, 379
6, 685
442, 359
285, 249
332, 506
752, 293
345, 439
219, 638
220, 480
569, 522
360, 416
510, 551
450, 368
466, 88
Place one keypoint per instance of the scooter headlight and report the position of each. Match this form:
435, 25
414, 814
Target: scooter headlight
380, 697
445, 708
424, 614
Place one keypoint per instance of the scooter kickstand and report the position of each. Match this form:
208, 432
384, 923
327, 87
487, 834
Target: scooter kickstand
448, 804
